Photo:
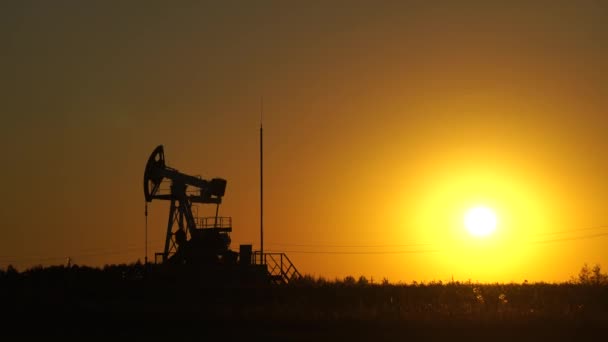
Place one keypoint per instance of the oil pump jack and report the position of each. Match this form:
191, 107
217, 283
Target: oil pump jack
203, 242
189, 239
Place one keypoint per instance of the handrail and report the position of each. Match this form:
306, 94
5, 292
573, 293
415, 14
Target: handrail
278, 265
213, 222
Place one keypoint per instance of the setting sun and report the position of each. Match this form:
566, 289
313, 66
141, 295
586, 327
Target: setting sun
480, 221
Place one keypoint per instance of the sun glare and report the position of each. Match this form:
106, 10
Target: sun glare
480, 221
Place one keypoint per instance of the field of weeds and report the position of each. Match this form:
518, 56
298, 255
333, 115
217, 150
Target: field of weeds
122, 301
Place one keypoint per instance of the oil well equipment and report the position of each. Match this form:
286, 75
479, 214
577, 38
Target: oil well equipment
203, 243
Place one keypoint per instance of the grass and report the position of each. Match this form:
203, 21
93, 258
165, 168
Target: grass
121, 300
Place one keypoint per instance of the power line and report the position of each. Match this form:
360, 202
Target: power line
570, 238
14, 259
132, 249
568, 231
360, 253
350, 246
547, 241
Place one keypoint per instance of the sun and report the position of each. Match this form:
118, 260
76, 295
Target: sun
480, 221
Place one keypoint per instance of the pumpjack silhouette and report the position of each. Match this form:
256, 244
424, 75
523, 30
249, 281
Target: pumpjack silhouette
203, 243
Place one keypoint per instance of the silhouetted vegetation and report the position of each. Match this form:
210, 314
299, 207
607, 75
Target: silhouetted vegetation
115, 295
593, 276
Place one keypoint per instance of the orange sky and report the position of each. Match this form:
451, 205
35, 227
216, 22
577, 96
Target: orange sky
383, 124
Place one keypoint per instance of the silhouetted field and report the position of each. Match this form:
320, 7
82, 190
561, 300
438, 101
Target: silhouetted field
126, 302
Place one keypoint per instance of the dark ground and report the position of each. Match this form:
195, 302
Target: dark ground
120, 303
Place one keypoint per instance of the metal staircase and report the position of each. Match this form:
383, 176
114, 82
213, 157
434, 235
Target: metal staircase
280, 268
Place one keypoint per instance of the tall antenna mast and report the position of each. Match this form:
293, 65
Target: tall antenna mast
261, 184
146, 237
